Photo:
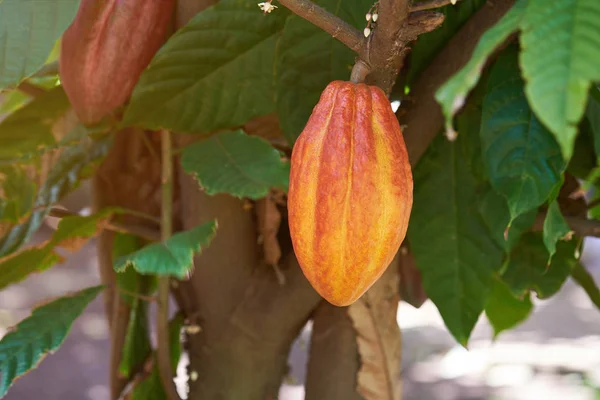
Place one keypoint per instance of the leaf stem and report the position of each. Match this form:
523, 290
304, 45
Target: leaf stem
162, 320
335, 26
586, 281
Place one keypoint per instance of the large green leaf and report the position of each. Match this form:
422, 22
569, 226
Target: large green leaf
17, 193
28, 32
560, 59
18, 266
555, 228
235, 163
151, 388
593, 115
429, 44
30, 127
494, 210
453, 93
522, 158
308, 59
504, 310
74, 164
451, 243
216, 72
24, 347
171, 258
528, 268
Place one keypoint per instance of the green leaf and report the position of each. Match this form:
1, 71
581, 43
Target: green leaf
494, 210
74, 164
17, 193
505, 311
214, 73
593, 115
587, 283
450, 241
555, 228
172, 258
560, 56
429, 44
522, 159
235, 163
528, 268
28, 32
453, 93
152, 388
36, 118
19, 266
73, 231
137, 346
308, 59
24, 347
12, 100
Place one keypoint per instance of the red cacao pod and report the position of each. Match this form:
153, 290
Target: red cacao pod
105, 50
351, 191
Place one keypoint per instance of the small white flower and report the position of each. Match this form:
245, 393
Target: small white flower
375, 16
368, 16
367, 32
267, 7
453, 2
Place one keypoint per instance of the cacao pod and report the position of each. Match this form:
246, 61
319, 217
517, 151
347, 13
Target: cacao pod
105, 50
350, 193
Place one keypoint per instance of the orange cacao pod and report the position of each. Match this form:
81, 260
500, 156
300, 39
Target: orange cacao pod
351, 191
105, 50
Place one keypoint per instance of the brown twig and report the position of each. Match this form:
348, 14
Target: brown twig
138, 230
162, 318
336, 27
429, 5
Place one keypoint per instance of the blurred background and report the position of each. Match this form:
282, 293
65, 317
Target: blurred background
554, 355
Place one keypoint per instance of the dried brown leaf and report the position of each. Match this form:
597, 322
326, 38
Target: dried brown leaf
269, 220
378, 338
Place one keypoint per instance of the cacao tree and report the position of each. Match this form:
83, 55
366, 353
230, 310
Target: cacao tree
185, 115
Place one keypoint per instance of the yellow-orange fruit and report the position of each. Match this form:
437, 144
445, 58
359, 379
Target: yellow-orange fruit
351, 191
105, 50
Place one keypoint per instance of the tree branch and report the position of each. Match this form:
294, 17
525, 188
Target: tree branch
162, 318
429, 5
336, 27
424, 118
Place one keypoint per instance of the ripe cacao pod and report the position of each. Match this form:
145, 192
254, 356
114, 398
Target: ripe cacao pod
105, 50
350, 193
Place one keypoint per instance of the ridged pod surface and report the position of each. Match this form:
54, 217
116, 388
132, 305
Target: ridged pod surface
350, 193
105, 50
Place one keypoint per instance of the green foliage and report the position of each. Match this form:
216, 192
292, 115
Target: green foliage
23, 348
235, 163
74, 164
151, 388
528, 268
560, 59
308, 59
428, 45
171, 258
587, 283
28, 32
504, 310
72, 233
450, 241
522, 158
453, 93
216, 72
17, 193
36, 118
555, 228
